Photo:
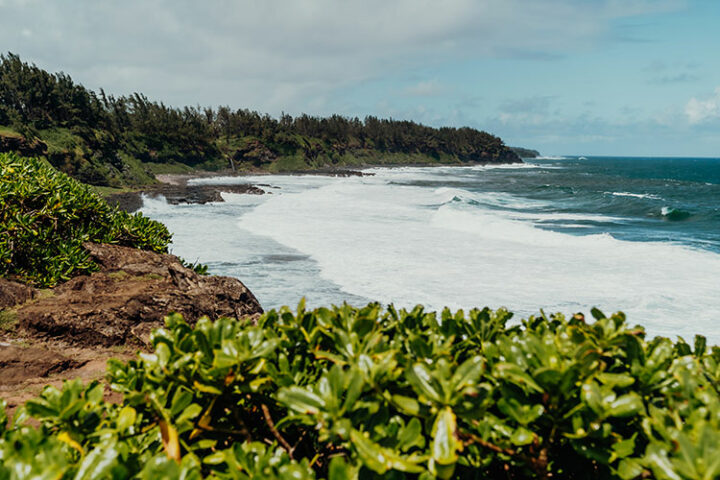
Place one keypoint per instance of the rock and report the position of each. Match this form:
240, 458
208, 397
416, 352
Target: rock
12, 293
18, 143
17, 364
130, 296
201, 194
128, 201
180, 193
333, 172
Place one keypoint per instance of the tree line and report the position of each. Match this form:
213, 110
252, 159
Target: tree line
83, 126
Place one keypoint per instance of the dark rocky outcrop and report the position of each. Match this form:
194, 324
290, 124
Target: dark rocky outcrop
25, 147
333, 172
180, 193
129, 297
176, 194
525, 152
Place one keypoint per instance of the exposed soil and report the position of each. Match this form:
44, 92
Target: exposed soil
13, 293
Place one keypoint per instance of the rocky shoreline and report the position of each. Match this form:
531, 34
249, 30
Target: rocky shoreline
176, 194
176, 189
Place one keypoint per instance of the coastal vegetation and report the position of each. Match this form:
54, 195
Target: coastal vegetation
336, 393
46, 216
114, 141
525, 152
347, 392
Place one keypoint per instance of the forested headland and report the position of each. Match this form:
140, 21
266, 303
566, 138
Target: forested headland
115, 141
525, 152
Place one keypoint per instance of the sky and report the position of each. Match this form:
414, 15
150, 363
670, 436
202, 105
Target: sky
584, 77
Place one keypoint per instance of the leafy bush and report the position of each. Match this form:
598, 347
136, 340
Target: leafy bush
196, 266
365, 393
45, 216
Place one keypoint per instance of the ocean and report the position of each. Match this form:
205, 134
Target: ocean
638, 235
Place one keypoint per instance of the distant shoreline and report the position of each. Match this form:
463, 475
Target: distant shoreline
176, 189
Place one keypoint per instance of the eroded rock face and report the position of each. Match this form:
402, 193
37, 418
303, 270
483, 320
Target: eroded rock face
13, 293
20, 363
129, 297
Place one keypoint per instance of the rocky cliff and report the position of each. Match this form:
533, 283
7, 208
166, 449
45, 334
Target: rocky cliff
69, 331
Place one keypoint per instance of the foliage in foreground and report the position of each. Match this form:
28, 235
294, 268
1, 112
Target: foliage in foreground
45, 216
348, 393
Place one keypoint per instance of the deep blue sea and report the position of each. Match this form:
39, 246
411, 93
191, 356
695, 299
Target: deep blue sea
641, 235
647, 199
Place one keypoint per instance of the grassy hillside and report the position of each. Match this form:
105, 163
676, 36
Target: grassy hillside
108, 141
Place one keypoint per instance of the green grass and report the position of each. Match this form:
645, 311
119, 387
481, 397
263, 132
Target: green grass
118, 276
289, 164
60, 140
9, 132
107, 191
136, 172
8, 319
161, 168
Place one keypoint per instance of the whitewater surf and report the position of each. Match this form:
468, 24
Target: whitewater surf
555, 234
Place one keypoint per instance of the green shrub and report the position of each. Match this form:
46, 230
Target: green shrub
365, 393
45, 216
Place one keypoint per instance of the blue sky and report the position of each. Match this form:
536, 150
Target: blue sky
605, 77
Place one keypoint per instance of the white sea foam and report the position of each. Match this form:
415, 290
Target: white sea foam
540, 217
381, 238
635, 195
510, 166
516, 207
241, 198
380, 241
155, 205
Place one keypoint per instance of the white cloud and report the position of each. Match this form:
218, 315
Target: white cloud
705, 109
278, 54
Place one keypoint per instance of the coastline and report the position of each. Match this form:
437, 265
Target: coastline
176, 189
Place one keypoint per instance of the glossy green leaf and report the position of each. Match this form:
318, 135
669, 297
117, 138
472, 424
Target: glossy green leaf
445, 444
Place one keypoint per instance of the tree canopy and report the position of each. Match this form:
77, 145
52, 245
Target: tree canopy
108, 140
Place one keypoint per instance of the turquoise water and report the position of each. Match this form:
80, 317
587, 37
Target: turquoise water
639, 235
644, 199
